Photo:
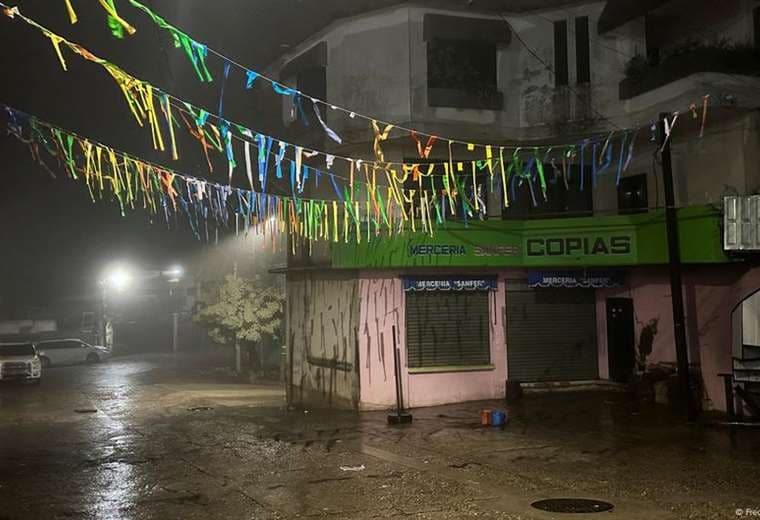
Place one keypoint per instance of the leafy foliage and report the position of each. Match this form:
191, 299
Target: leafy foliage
246, 310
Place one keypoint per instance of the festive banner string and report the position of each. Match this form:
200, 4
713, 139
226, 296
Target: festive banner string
294, 92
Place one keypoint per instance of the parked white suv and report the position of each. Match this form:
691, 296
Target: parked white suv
19, 362
70, 352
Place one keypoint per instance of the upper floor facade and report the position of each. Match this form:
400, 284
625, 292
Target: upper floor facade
554, 74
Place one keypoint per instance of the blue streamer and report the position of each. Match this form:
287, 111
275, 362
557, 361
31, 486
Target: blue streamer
621, 159
251, 77
279, 157
265, 148
335, 186
283, 90
224, 83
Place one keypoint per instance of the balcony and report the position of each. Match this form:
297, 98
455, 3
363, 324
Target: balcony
691, 58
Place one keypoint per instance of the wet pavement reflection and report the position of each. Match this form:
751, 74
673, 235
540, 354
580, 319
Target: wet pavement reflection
171, 439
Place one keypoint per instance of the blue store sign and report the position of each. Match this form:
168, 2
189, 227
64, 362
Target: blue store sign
450, 284
589, 279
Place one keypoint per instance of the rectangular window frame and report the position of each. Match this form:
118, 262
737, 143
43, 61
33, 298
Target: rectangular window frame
418, 357
582, 50
561, 66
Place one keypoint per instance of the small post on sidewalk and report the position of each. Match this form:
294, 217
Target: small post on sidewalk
401, 416
676, 285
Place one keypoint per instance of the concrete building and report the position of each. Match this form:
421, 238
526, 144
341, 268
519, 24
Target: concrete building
574, 288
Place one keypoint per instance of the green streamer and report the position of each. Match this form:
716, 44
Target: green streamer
195, 51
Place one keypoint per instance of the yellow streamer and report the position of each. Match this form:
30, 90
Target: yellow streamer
72, 13
111, 11
56, 41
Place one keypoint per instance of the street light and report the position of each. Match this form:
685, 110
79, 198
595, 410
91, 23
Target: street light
174, 274
119, 279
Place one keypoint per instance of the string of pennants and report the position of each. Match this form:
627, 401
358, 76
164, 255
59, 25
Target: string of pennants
138, 184
414, 192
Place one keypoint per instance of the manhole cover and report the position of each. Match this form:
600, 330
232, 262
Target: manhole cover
572, 505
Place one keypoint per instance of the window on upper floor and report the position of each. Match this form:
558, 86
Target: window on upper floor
308, 72
582, 51
563, 200
462, 61
632, 195
561, 74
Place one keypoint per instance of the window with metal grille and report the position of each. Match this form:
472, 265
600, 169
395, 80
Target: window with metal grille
447, 329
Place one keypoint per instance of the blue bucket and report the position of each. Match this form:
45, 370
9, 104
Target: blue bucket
498, 418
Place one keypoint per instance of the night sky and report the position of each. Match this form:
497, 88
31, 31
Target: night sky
55, 241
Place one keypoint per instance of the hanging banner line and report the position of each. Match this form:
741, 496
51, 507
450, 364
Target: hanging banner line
197, 52
134, 183
460, 194
140, 97
132, 86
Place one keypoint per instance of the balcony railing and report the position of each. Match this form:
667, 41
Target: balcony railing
643, 75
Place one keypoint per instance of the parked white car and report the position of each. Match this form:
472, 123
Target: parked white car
70, 352
20, 362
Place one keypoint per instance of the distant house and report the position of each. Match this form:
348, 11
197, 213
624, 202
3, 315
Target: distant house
558, 290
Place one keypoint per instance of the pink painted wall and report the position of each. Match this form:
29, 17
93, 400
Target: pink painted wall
382, 307
710, 295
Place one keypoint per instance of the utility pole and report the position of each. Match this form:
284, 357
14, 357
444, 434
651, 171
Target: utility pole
674, 260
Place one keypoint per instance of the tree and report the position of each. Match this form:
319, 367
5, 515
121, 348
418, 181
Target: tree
242, 310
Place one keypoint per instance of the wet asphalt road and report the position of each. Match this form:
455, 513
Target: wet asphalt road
164, 438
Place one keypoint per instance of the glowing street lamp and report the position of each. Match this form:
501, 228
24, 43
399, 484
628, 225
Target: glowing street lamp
118, 278
174, 274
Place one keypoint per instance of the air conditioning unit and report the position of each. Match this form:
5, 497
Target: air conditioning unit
741, 223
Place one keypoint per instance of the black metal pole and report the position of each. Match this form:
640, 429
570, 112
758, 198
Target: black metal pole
676, 284
397, 374
401, 416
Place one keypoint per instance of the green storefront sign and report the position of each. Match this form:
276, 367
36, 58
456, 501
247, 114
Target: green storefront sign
593, 241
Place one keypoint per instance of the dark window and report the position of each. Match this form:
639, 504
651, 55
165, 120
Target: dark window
560, 53
61, 345
463, 74
652, 30
17, 350
562, 201
632, 194
582, 51
756, 19
447, 329
310, 70
313, 83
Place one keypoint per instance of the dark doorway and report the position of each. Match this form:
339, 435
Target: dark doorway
620, 339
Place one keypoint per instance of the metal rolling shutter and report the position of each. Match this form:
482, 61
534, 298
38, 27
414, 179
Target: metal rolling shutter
447, 329
551, 335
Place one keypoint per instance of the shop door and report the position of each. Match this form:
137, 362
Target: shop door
551, 334
620, 339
